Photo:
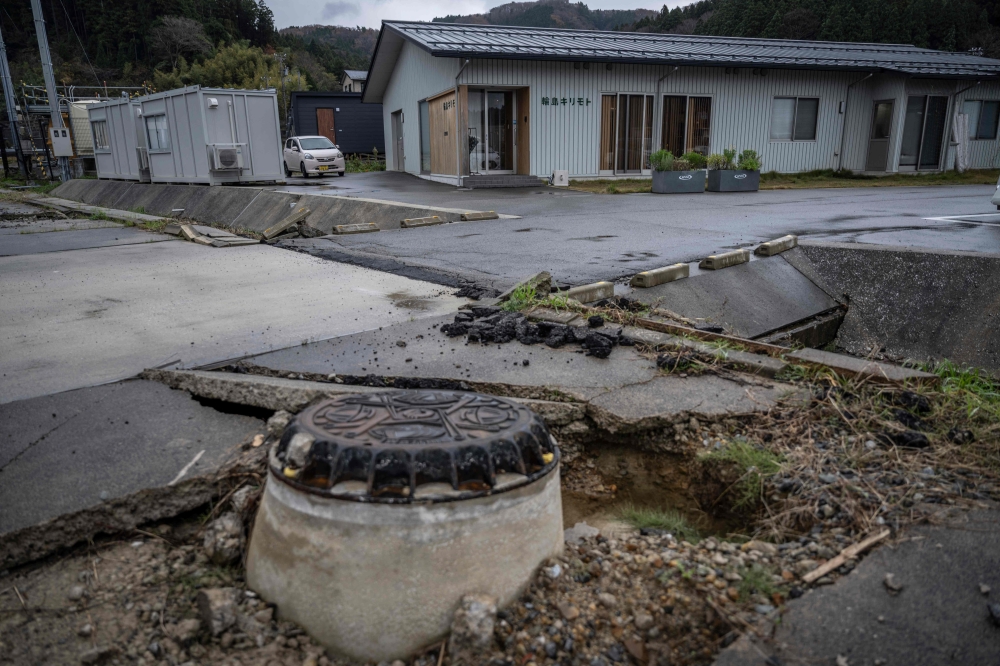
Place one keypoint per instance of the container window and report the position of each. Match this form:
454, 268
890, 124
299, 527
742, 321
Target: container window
794, 118
100, 131
157, 133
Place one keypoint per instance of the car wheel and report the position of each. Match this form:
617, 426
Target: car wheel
342, 173
302, 168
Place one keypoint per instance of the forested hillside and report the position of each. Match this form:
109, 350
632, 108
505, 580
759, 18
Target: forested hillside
553, 14
950, 25
234, 42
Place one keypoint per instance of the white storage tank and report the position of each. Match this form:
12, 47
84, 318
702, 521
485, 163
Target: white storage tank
212, 136
117, 139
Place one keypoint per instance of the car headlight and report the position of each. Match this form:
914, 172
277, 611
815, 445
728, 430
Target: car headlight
337, 155
307, 156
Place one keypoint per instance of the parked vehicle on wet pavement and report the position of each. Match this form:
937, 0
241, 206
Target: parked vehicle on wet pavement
307, 155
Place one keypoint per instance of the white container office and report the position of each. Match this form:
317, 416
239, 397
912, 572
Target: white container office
212, 136
115, 127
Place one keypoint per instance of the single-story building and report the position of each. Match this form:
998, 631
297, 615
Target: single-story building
532, 100
340, 117
354, 80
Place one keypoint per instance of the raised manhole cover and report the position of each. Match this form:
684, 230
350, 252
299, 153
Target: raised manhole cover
411, 445
383, 510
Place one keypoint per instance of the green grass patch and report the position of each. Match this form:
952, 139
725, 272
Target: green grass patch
155, 225
101, 215
659, 519
773, 180
756, 580
358, 164
976, 393
522, 298
613, 185
754, 466
139, 209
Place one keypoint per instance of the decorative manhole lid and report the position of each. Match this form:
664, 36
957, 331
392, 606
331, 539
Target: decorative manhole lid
406, 446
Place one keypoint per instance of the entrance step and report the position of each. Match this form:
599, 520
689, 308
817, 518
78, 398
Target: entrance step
501, 180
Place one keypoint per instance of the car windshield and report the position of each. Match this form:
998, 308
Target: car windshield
319, 143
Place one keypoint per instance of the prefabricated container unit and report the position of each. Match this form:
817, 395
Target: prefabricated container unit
212, 136
115, 128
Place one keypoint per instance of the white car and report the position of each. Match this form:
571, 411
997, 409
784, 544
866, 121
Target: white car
996, 196
312, 154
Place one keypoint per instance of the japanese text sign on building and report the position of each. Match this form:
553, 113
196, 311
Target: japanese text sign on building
565, 101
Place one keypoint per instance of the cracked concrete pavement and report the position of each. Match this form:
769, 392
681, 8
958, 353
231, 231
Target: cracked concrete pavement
82, 309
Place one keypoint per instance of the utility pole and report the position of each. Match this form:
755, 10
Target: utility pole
11, 104
50, 79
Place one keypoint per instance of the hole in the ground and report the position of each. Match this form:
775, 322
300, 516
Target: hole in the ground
234, 408
616, 487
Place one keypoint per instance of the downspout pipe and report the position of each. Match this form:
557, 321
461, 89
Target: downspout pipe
458, 139
843, 125
659, 106
951, 116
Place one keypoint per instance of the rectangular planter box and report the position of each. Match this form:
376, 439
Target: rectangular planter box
677, 182
733, 180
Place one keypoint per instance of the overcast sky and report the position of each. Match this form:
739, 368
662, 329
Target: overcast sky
371, 13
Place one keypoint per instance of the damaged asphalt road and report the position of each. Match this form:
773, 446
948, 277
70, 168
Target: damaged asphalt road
581, 237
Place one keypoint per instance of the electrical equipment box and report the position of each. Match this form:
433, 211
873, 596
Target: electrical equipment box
62, 143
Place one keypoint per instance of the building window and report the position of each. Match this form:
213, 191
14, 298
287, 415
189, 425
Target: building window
686, 124
983, 117
626, 132
100, 130
157, 133
425, 137
794, 118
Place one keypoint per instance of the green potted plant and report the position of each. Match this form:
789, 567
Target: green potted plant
674, 175
725, 176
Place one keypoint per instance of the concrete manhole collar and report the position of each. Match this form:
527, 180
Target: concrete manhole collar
413, 446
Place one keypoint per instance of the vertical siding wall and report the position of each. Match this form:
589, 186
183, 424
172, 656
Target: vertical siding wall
983, 154
417, 75
567, 137
359, 126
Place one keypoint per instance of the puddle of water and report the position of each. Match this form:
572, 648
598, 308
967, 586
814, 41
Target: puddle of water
408, 301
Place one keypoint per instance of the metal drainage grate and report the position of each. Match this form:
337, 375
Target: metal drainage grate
408, 446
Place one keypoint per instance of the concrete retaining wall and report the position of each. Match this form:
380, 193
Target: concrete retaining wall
915, 303
250, 208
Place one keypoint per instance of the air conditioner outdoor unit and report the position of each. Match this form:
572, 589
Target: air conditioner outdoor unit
226, 157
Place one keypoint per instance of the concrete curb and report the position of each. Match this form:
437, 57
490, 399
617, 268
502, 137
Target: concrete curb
416, 222
715, 262
777, 246
588, 293
657, 276
342, 229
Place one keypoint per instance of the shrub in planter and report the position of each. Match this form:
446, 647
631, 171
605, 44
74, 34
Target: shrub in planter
696, 160
672, 175
724, 176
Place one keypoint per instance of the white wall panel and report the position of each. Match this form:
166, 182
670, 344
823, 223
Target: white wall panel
567, 137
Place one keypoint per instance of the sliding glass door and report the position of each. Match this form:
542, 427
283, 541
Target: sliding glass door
923, 132
626, 133
491, 131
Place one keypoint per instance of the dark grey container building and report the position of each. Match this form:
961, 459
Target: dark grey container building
341, 117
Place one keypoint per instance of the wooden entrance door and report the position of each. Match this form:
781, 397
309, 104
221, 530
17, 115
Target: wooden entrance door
324, 124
